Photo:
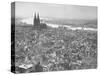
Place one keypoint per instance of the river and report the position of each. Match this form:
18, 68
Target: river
30, 21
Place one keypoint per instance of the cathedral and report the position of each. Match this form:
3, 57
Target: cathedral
36, 20
37, 24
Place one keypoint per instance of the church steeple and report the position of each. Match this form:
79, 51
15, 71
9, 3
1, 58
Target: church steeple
36, 19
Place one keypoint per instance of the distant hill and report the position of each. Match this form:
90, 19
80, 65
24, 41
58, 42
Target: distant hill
81, 22
71, 22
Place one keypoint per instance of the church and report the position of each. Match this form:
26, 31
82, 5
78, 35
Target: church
37, 23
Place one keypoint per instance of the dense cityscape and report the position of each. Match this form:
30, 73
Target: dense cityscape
40, 48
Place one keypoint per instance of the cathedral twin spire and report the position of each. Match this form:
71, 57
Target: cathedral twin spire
36, 19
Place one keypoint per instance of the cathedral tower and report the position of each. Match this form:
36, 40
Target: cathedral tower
36, 20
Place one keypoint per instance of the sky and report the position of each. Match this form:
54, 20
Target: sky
64, 11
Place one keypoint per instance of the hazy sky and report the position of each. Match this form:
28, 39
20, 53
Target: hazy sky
24, 9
